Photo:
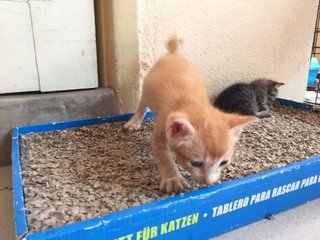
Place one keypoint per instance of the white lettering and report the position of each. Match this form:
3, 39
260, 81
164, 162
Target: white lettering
285, 189
229, 207
256, 198
309, 181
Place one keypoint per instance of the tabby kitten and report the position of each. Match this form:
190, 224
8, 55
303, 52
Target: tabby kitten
253, 98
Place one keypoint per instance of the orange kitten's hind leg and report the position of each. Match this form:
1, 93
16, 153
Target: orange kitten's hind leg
135, 122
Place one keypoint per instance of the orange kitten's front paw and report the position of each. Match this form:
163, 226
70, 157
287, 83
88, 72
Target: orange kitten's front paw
174, 184
131, 126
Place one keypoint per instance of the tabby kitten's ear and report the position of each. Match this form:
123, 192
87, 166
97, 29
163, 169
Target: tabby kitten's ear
275, 84
279, 84
237, 123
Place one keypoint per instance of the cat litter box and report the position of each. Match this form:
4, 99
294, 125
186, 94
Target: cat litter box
198, 214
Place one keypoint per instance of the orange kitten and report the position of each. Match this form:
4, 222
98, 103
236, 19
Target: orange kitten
201, 137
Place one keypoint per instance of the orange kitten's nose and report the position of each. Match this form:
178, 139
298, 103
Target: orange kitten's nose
209, 179
203, 180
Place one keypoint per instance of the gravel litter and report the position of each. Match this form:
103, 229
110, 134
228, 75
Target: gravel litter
76, 174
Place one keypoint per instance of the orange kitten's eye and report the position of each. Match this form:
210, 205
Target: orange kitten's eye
223, 163
196, 164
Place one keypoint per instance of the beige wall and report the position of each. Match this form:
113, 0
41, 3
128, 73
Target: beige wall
234, 40
118, 49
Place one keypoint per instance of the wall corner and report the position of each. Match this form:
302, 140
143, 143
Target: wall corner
118, 49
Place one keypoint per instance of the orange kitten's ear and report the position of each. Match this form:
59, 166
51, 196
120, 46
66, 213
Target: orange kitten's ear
178, 129
237, 123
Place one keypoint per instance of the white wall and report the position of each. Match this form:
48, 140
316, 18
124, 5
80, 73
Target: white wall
232, 40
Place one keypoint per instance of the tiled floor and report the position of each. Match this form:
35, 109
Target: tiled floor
301, 223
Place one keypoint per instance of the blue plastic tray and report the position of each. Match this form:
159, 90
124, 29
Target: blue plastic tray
199, 214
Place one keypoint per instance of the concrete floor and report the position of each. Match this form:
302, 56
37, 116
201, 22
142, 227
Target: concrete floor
6, 205
301, 223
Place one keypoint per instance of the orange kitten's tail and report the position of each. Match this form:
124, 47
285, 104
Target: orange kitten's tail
173, 44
